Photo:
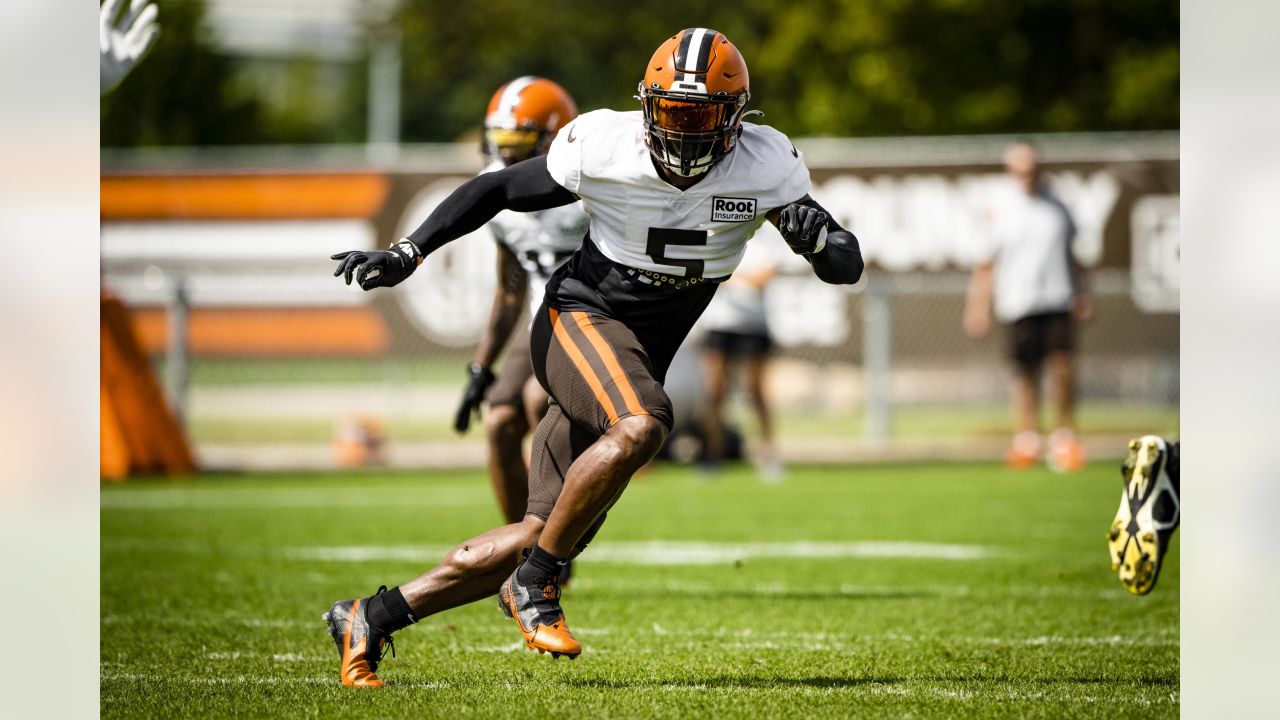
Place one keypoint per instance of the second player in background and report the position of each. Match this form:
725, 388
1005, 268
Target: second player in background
522, 118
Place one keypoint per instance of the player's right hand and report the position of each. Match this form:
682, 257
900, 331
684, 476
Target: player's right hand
478, 381
378, 268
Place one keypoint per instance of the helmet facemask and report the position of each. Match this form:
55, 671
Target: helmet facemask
689, 132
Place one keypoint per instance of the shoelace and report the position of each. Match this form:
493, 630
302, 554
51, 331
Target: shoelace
387, 641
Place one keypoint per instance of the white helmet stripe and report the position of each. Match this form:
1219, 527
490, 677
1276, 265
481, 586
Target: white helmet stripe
695, 50
504, 115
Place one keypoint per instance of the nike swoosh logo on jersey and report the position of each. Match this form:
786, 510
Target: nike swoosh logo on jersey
571, 137
794, 151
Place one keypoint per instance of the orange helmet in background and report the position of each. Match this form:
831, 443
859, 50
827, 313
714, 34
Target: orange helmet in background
524, 116
694, 93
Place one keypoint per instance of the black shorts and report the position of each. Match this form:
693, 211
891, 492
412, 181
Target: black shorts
517, 368
750, 346
600, 346
1035, 337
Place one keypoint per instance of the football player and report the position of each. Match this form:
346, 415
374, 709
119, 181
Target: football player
1150, 509
674, 192
523, 117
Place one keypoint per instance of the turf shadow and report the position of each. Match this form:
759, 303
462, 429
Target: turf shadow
831, 681
729, 682
800, 595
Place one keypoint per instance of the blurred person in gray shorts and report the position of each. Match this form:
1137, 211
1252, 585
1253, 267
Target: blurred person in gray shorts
737, 334
1031, 277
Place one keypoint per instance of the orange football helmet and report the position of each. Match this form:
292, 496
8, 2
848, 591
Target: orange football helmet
694, 93
524, 115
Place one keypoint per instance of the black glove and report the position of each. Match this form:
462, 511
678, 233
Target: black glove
479, 380
804, 228
379, 268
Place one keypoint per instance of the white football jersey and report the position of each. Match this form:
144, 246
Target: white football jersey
641, 221
542, 241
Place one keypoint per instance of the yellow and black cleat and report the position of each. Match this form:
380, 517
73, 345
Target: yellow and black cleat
1149, 513
544, 629
360, 645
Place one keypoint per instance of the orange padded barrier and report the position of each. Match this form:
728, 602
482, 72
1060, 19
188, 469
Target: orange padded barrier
139, 434
345, 195
267, 332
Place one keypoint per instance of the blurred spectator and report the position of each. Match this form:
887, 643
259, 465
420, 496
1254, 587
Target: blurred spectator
123, 39
737, 333
1039, 293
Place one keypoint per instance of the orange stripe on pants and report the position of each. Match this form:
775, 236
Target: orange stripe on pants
584, 367
611, 362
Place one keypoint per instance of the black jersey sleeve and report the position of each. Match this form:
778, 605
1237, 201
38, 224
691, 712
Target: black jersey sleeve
523, 187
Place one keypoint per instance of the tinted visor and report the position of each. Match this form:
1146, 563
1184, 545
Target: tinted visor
512, 144
688, 116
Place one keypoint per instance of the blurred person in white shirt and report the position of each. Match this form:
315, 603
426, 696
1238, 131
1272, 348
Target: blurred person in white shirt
1031, 279
737, 334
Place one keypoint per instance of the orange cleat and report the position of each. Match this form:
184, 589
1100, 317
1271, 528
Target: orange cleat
1066, 454
1024, 452
544, 629
1019, 460
360, 645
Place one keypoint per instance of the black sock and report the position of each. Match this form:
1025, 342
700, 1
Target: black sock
541, 568
389, 612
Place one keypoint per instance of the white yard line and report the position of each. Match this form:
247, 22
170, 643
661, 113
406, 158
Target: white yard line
674, 553
251, 499
275, 657
366, 553
196, 621
169, 679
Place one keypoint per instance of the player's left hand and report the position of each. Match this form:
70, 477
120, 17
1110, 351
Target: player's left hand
478, 381
378, 268
804, 228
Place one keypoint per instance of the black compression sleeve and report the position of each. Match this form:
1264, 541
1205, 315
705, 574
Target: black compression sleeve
840, 262
524, 187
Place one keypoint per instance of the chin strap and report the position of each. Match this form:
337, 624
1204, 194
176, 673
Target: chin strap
693, 172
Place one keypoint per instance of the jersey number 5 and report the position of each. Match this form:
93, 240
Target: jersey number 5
661, 238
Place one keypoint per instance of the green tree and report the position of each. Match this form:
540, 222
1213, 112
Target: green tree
187, 92
182, 93
818, 67
821, 67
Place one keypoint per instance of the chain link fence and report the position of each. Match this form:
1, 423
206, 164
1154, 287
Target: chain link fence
882, 371
272, 362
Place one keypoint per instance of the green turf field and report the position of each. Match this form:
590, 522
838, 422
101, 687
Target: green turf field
878, 591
